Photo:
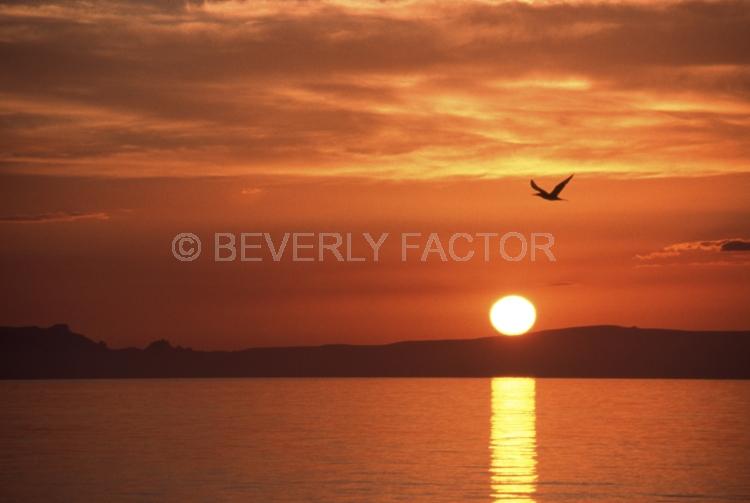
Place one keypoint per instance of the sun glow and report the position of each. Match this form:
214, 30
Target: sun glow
512, 315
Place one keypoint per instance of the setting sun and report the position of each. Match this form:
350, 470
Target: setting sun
512, 315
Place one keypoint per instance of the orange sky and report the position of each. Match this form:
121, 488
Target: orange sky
123, 125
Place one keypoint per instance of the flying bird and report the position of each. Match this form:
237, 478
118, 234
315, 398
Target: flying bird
550, 196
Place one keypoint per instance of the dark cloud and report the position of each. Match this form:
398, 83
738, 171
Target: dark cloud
735, 245
698, 253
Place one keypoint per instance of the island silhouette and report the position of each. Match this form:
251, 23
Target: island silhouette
591, 351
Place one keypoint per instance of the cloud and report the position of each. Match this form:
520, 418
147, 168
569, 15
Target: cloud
59, 216
735, 245
562, 283
404, 89
251, 191
713, 252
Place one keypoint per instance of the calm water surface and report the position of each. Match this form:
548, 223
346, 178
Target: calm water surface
507, 440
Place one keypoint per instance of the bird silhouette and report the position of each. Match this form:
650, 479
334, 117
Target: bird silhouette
550, 196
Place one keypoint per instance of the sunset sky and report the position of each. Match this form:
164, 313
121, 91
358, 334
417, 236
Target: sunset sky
125, 123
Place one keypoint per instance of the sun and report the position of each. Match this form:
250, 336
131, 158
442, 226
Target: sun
512, 315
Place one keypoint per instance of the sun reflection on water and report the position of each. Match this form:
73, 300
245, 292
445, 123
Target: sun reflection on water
513, 474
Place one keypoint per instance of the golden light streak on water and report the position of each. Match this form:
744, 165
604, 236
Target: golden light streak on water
513, 473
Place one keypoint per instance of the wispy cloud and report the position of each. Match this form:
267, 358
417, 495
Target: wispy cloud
562, 283
59, 216
389, 89
251, 191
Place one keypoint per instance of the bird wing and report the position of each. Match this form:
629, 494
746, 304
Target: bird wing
537, 187
560, 186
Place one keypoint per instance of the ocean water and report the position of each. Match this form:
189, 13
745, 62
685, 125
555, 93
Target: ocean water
452, 440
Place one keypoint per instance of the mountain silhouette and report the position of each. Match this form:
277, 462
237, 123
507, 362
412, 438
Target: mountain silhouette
594, 351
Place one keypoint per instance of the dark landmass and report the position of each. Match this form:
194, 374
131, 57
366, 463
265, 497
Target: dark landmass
597, 351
